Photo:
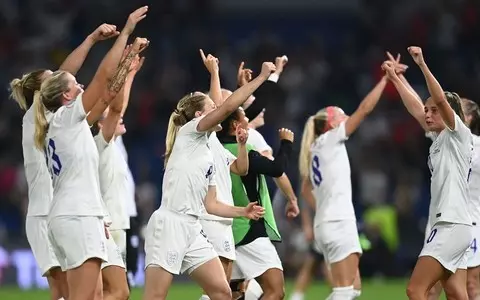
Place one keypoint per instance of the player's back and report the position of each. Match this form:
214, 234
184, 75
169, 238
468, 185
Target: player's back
113, 176
449, 162
36, 171
189, 171
73, 162
474, 182
330, 176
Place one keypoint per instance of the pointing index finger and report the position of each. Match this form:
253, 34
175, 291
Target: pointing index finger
204, 58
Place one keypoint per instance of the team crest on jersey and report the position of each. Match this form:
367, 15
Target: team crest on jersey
226, 246
172, 257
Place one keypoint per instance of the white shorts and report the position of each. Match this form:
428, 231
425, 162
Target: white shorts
337, 239
220, 235
37, 234
114, 256
255, 258
448, 244
120, 238
76, 239
474, 251
176, 242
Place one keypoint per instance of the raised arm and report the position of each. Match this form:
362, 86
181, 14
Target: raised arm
434, 88
240, 165
365, 107
268, 92
117, 106
134, 68
109, 67
412, 103
211, 63
235, 100
75, 60
116, 84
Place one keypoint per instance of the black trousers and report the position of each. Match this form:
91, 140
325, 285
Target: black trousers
133, 243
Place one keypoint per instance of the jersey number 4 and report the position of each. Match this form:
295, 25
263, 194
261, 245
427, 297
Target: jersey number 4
53, 161
473, 245
317, 176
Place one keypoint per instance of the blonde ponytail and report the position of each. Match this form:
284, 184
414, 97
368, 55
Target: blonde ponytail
307, 139
16, 93
172, 131
41, 124
22, 90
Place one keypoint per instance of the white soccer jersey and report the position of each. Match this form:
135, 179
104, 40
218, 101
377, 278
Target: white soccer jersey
474, 182
113, 172
449, 162
131, 204
72, 158
40, 189
257, 140
189, 172
222, 159
330, 177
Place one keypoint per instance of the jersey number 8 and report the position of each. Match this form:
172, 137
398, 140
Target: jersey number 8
317, 176
53, 161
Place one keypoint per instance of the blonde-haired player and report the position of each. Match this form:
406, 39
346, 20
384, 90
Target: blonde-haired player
174, 240
449, 162
75, 223
325, 169
218, 229
38, 178
113, 184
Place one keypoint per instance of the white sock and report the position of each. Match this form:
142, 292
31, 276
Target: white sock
204, 297
356, 293
342, 293
254, 290
296, 296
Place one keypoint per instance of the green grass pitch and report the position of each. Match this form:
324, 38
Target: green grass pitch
384, 290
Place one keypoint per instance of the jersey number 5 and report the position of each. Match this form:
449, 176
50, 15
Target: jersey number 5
317, 176
53, 161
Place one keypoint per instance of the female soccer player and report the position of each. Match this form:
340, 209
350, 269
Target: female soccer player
174, 240
449, 162
325, 169
218, 229
113, 184
75, 218
257, 257
472, 119
313, 260
38, 178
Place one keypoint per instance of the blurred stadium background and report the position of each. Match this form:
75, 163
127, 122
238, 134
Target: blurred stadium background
335, 49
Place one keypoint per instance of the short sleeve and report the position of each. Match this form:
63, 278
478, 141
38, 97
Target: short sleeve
460, 129
258, 142
101, 143
211, 179
191, 127
229, 157
338, 134
71, 113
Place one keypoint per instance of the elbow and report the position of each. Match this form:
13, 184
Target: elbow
243, 171
277, 172
209, 207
